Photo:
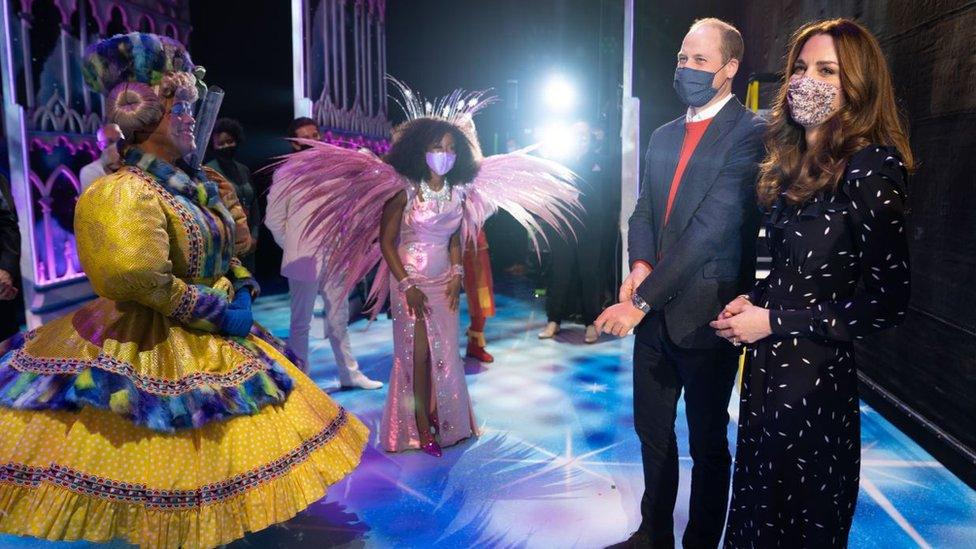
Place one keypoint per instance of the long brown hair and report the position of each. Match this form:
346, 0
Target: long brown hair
869, 116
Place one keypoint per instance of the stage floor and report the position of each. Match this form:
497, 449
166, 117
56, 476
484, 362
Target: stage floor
558, 464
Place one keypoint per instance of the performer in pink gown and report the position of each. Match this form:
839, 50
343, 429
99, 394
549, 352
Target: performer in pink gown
411, 212
421, 243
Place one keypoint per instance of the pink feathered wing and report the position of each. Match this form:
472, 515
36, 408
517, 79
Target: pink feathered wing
530, 188
352, 187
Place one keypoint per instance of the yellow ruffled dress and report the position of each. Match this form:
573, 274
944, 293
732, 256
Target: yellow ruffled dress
132, 417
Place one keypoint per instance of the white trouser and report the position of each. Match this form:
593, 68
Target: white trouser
335, 320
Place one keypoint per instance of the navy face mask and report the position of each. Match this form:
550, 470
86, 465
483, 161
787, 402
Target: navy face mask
694, 87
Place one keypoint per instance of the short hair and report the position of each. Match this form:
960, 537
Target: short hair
299, 122
229, 126
732, 45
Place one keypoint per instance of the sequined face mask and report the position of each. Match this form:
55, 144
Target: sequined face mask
811, 101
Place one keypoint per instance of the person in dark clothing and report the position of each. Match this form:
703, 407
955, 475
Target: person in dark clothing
228, 135
9, 265
692, 249
577, 264
834, 189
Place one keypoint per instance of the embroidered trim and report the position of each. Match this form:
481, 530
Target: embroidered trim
263, 333
169, 500
194, 233
187, 304
23, 362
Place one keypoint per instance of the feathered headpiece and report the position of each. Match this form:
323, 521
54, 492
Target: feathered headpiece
134, 57
136, 71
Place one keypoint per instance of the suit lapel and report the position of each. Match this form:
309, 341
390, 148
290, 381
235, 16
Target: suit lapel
702, 168
672, 138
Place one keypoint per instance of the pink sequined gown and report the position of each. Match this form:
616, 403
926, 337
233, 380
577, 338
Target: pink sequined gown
425, 235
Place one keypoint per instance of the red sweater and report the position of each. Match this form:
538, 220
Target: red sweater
693, 134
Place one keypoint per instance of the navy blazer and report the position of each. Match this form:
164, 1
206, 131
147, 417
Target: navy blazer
706, 255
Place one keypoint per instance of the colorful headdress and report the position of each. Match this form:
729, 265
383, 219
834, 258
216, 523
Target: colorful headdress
136, 72
134, 57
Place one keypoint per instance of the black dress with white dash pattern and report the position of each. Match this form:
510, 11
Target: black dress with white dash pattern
840, 271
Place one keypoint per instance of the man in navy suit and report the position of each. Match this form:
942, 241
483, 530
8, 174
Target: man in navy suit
692, 250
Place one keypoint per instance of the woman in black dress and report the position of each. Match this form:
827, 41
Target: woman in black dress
833, 185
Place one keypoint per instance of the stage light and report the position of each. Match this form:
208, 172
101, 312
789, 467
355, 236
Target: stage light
559, 94
556, 140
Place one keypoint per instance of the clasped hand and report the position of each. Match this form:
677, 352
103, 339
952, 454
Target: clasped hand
742, 322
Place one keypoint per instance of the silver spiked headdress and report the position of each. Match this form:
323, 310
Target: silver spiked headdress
458, 107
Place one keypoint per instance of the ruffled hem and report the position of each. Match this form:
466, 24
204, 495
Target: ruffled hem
32, 383
72, 515
98, 388
95, 476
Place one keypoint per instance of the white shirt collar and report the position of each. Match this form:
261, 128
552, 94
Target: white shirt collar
710, 112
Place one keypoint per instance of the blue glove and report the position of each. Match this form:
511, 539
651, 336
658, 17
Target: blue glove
237, 318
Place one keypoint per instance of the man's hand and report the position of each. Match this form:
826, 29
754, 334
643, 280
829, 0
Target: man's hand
619, 319
8, 290
638, 273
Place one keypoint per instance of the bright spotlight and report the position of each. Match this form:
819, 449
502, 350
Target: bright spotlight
556, 141
560, 94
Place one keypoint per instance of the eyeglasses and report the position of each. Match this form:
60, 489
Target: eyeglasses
181, 108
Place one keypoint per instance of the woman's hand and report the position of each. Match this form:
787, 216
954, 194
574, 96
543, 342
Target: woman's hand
734, 307
416, 302
453, 292
749, 326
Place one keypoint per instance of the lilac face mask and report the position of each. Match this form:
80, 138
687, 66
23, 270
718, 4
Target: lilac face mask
440, 162
811, 101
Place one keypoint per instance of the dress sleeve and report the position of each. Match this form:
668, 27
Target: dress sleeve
758, 289
123, 243
876, 217
241, 277
243, 243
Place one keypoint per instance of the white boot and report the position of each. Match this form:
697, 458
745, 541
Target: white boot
358, 380
550, 331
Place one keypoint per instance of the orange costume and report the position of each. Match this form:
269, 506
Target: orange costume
479, 288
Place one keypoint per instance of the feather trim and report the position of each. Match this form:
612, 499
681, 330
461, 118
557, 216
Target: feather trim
530, 188
167, 413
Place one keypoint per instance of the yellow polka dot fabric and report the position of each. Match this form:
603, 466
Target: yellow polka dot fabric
93, 475
149, 345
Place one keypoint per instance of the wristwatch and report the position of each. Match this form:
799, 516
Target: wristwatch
638, 301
